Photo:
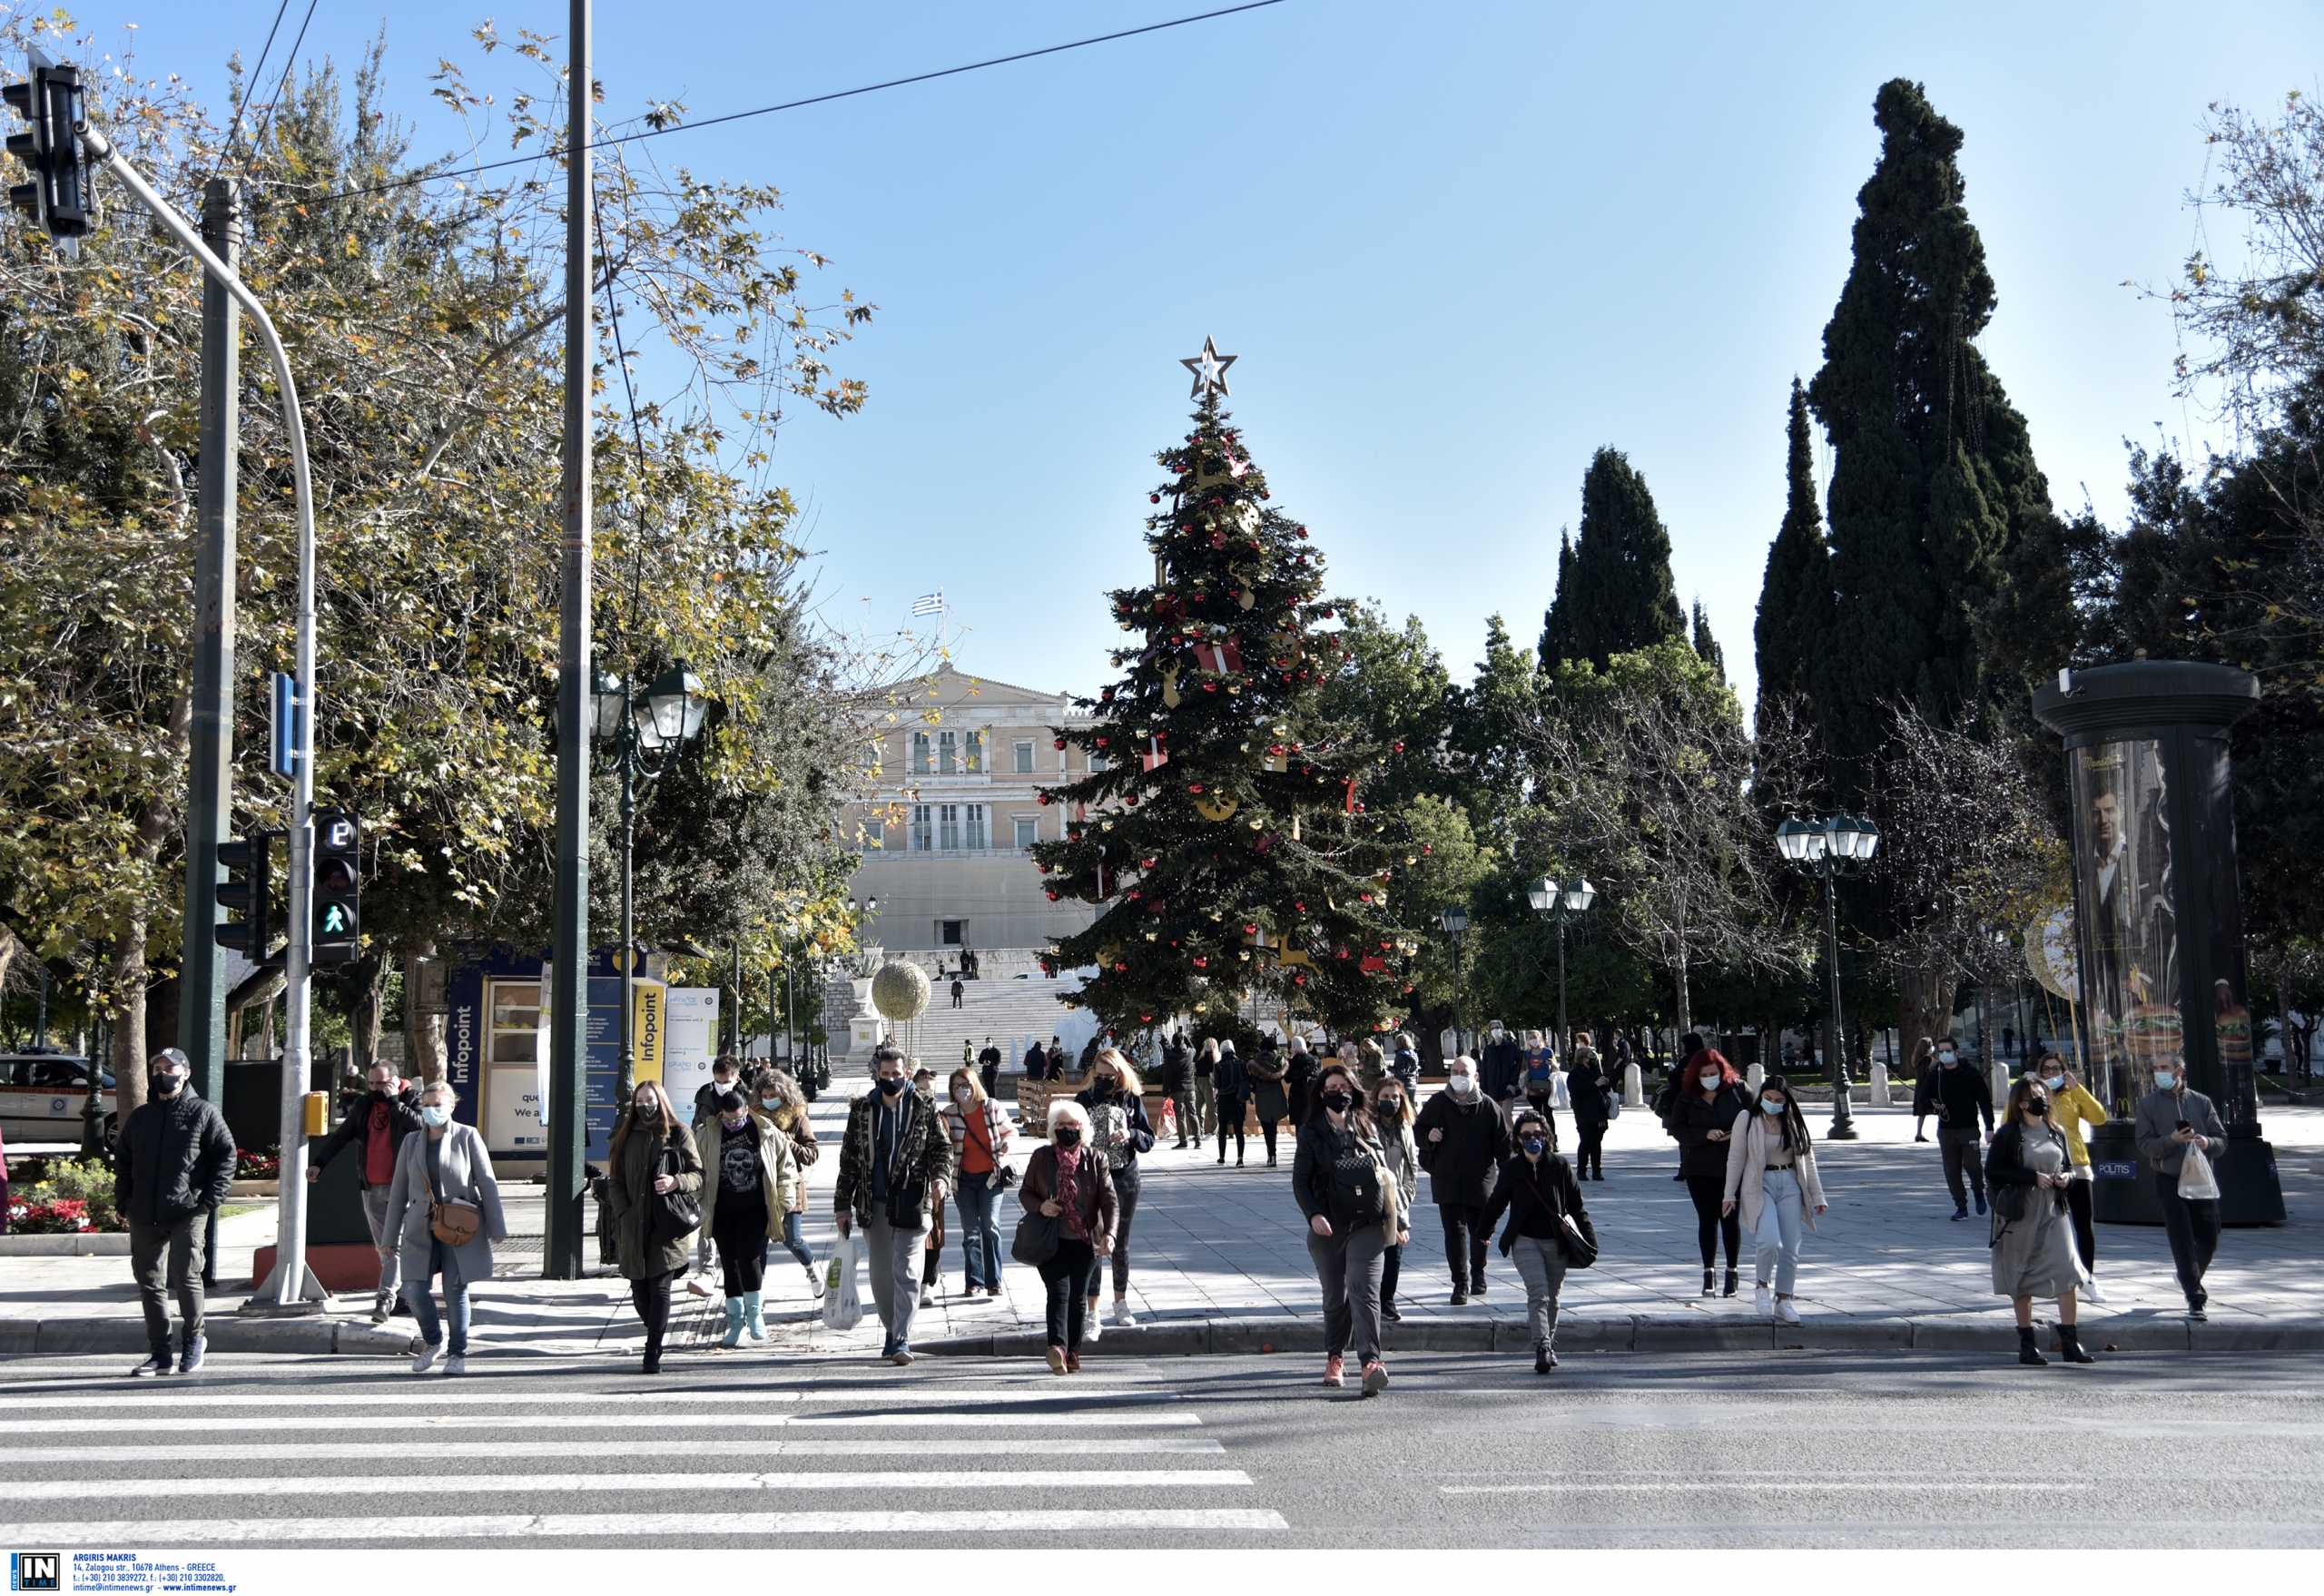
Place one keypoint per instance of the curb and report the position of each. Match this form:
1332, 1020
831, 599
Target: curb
221, 1333
83, 1244
1635, 1333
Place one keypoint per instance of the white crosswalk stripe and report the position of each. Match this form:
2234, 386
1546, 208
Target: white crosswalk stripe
339, 1461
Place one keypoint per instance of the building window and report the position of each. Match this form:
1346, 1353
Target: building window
1096, 762
919, 754
922, 838
1025, 756
975, 753
948, 753
948, 827
978, 830
1029, 832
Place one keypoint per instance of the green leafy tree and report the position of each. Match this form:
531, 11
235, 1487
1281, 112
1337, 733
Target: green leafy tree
1249, 859
1616, 595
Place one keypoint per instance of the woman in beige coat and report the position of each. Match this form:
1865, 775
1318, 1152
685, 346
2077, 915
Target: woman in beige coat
1771, 1174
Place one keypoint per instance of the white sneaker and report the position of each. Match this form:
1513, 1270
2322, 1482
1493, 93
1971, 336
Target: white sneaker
814, 1278
1786, 1313
457, 1363
1123, 1318
425, 1360
2090, 1293
1763, 1302
1092, 1325
928, 1296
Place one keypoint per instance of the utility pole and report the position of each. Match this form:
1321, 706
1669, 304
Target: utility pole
210, 781
569, 998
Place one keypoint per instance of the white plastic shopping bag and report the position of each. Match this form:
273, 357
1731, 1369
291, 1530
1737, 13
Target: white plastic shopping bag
842, 1308
2196, 1176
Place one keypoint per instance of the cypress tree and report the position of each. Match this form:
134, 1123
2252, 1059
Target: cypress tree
1556, 623
1934, 479
1615, 596
1795, 593
1707, 646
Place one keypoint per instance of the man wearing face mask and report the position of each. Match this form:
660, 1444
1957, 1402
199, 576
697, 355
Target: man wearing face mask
2172, 1121
175, 1164
2073, 1108
1463, 1137
380, 1123
1961, 1098
1504, 1074
895, 1163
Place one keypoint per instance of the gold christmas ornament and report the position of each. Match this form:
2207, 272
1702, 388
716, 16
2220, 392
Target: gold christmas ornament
1171, 697
1217, 806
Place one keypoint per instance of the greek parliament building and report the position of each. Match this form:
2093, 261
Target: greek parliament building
944, 840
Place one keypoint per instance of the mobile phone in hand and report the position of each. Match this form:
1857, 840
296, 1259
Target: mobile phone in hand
2184, 1126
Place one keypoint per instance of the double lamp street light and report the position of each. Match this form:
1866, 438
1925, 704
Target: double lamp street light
1825, 847
1560, 901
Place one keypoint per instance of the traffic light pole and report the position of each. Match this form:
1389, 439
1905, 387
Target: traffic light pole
293, 1286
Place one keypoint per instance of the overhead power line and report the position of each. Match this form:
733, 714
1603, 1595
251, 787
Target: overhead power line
898, 83
257, 73
258, 140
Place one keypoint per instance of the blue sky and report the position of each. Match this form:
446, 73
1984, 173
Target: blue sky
1458, 247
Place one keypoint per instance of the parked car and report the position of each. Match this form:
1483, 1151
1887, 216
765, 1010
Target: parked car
42, 1096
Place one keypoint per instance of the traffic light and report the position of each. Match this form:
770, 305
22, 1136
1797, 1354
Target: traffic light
248, 892
58, 199
338, 910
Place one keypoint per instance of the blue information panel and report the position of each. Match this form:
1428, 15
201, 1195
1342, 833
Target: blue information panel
601, 1100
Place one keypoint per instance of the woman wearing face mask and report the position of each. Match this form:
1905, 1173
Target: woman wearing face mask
2029, 1170
1771, 1176
1539, 1193
1702, 1117
1267, 1072
1924, 1065
753, 1185
1391, 1112
1355, 1212
781, 1100
1068, 1181
1593, 1095
1120, 1132
2074, 1109
446, 1165
651, 1156
1464, 1140
981, 1134
1232, 1089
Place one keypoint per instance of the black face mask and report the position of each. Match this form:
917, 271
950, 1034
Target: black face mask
1391, 1112
1107, 1083
1338, 1102
1065, 1138
2038, 1106
892, 1086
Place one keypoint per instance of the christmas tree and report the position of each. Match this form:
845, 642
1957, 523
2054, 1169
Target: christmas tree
1228, 853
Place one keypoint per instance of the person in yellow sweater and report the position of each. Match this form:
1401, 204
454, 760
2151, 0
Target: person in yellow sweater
2073, 1106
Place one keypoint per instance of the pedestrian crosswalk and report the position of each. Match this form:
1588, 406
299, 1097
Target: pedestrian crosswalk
583, 1458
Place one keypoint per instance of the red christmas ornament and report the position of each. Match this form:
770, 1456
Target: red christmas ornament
1153, 499
1201, 962
1145, 864
1061, 745
1101, 742
1399, 747
1194, 787
1428, 847
1043, 799
1131, 800
1301, 532
1121, 967
1299, 908
1052, 896
1250, 930
1298, 981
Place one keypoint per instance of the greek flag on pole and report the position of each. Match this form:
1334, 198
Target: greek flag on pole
929, 603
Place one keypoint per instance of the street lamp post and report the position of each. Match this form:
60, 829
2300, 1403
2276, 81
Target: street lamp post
1560, 901
643, 732
1456, 921
1825, 847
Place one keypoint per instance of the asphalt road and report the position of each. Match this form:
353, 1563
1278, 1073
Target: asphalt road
1463, 1451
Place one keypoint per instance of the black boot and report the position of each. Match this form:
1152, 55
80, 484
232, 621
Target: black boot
1729, 1289
2070, 1346
2027, 1353
1544, 1360
1710, 1283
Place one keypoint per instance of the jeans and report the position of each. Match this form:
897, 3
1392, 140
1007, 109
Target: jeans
1126, 1187
980, 1236
894, 1261
1778, 1235
1066, 1278
2085, 1231
456, 1302
375, 1215
794, 1236
651, 1297
1709, 1191
1205, 1118
1591, 1154
1542, 1265
1465, 1238
2192, 1226
1963, 1148
1348, 1268
182, 1241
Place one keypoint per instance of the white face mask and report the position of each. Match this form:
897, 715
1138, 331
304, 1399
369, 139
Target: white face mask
1709, 1077
962, 1094
435, 1114
2055, 1082
1461, 1085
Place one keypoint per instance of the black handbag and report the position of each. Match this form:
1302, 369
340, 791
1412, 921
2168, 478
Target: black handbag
1036, 1241
674, 1214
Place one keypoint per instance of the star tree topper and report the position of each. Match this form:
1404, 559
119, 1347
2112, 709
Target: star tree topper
1209, 369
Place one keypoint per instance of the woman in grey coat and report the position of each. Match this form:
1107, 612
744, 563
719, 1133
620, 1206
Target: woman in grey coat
2027, 1171
445, 1163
